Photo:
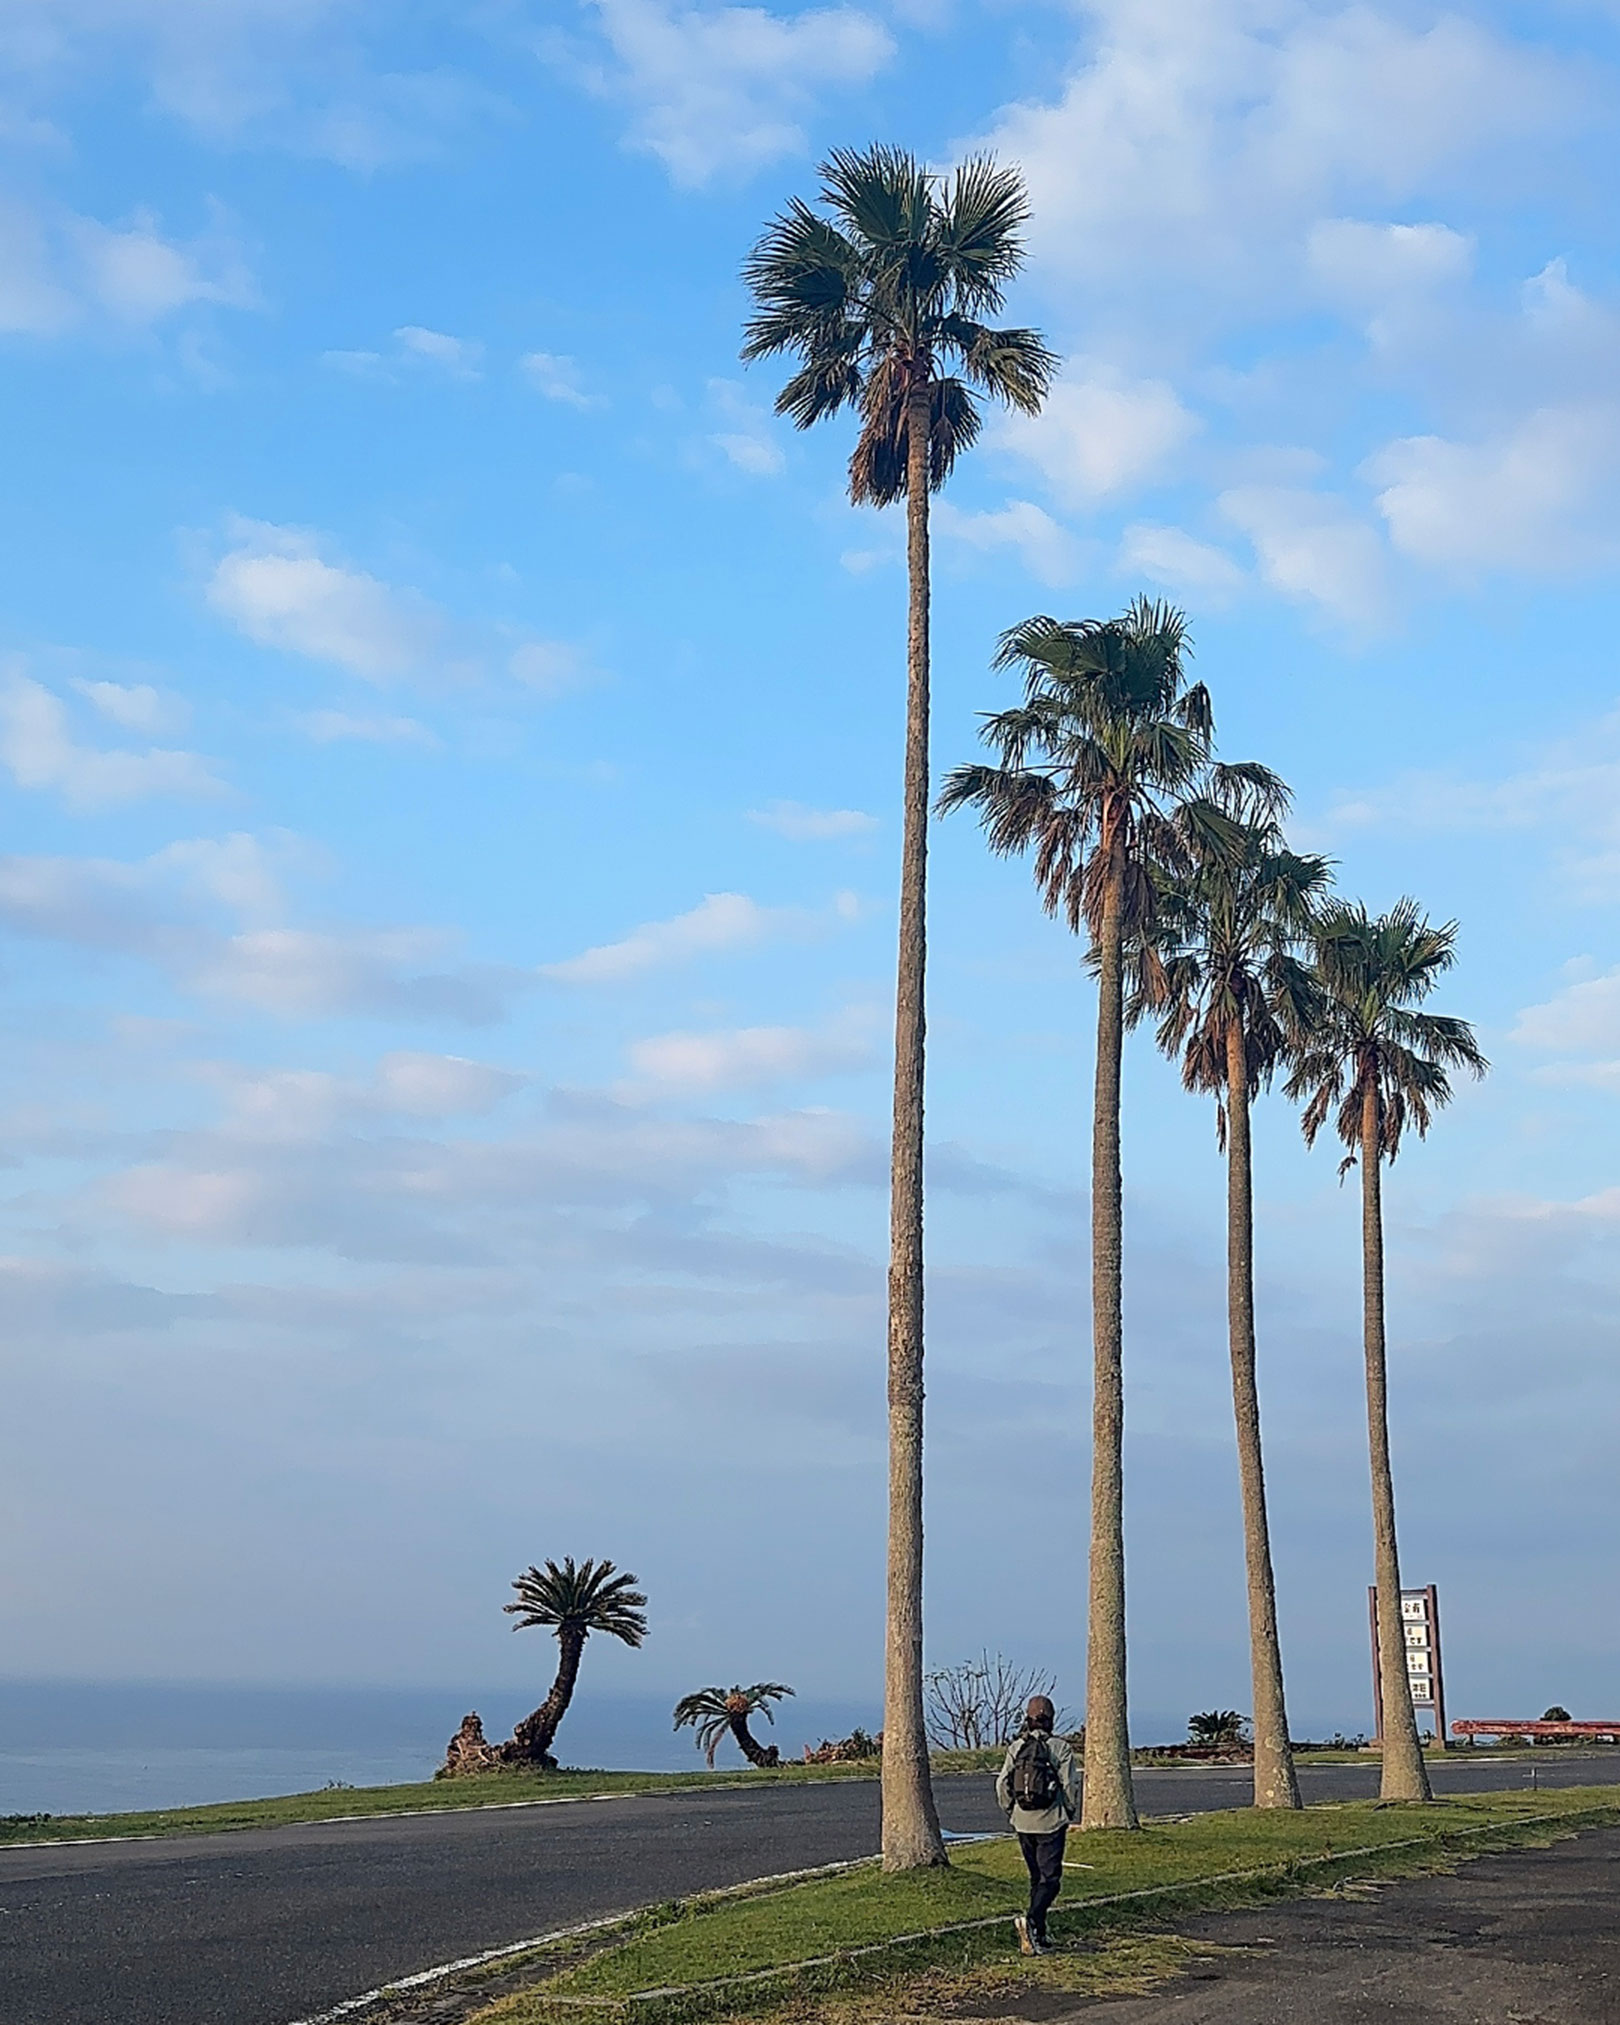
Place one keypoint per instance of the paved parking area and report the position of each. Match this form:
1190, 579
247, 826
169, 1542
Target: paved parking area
1527, 1939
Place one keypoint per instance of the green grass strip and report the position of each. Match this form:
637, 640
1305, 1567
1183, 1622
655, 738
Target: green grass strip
353, 1803
836, 1931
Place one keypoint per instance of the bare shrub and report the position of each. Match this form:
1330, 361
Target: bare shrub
981, 1702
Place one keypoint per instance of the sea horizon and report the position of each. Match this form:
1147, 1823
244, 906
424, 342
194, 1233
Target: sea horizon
101, 1747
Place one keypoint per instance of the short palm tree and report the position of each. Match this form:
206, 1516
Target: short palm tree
1110, 742
1218, 1727
881, 296
572, 1602
718, 1712
1233, 996
1374, 1065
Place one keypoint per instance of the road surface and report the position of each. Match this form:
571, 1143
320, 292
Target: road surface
1507, 1940
269, 1926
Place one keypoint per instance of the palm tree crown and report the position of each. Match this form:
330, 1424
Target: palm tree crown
1224, 954
1117, 733
1370, 1042
717, 1712
882, 299
577, 1601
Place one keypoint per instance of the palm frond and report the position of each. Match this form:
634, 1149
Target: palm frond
983, 209
592, 1597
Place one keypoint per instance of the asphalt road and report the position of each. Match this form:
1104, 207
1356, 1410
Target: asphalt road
269, 1926
1508, 1940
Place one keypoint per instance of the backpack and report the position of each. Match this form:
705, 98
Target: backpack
1034, 1781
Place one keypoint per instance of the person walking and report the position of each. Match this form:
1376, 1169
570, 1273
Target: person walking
1039, 1790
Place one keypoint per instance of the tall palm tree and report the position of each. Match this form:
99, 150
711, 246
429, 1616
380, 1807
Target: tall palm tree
1374, 1065
573, 1602
718, 1712
1232, 997
1110, 739
881, 295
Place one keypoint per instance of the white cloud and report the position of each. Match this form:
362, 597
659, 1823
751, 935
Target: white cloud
1174, 558
57, 268
1313, 547
1049, 552
1368, 263
134, 706
276, 587
745, 1057
38, 747
303, 973
164, 910
1570, 790
720, 921
806, 825
548, 667
461, 357
364, 365
1582, 1019
1194, 144
283, 588
302, 1104
32, 296
745, 436
1099, 434
440, 1086
559, 379
292, 73
138, 275
722, 89
240, 871
328, 727
1544, 494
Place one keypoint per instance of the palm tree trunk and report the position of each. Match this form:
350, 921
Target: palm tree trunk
1275, 1784
1108, 1798
532, 1738
1405, 1776
755, 1752
911, 1837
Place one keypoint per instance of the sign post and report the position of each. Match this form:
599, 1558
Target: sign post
1425, 1680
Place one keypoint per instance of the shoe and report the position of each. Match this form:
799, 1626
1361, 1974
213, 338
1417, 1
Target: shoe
1027, 1943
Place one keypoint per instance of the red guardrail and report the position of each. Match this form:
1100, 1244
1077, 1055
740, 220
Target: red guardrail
1476, 1729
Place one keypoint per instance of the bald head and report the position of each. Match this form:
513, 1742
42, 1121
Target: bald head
1040, 1715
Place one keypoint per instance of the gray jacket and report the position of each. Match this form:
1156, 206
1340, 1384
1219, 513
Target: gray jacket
1046, 1820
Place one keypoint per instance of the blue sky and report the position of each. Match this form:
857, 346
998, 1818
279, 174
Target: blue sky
453, 731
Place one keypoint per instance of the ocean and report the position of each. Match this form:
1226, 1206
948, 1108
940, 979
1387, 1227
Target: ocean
72, 1747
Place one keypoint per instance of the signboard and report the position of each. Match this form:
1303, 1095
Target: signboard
1420, 1624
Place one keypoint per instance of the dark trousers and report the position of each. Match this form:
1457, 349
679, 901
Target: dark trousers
1043, 1857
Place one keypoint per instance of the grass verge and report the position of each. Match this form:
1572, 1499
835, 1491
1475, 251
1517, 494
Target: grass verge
514, 1788
342, 1803
794, 1944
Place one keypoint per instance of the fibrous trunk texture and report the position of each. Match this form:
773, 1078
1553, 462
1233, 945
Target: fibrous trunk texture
755, 1752
531, 1740
1405, 1776
911, 1837
469, 1752
1109, 1801
1275, 1783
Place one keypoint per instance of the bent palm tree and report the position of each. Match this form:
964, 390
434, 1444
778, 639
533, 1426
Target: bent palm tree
1374, 1064
1120, 738
573, 1602
881, 295
717, 1712
1233, 996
